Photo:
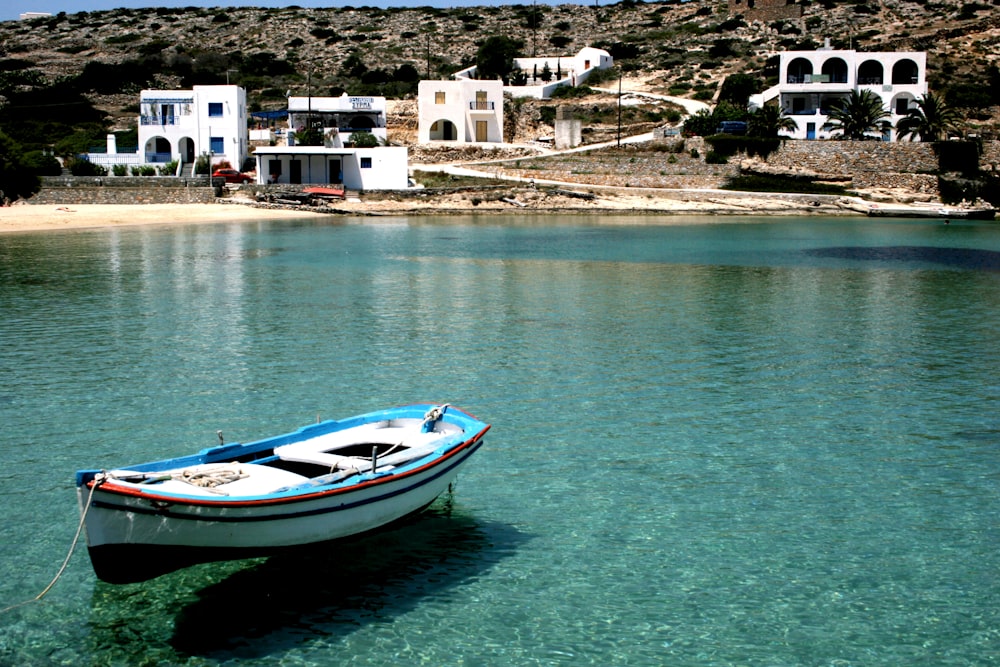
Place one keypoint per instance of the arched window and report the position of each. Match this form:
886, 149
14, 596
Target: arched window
905, 72
870, 73
836, 70
798, 70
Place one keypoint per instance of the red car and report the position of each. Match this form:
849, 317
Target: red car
232, 176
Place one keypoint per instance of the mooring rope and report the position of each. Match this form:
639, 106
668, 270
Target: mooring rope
98, 480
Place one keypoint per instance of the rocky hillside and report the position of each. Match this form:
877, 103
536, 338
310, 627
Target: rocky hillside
685, 49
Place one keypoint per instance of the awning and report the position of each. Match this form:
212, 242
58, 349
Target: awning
270, 115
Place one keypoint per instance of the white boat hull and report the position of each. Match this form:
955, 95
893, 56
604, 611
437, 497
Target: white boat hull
134, 532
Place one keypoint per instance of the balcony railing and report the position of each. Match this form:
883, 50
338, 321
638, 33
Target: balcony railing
158, 120
481, 106
154, 158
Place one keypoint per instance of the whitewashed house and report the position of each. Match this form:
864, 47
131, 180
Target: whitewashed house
462, 111
338, 117
812, 82
183, 124
380, 168
564, 71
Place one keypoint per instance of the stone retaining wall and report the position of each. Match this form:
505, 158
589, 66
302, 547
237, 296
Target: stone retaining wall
910, 166
856, 157
65, 190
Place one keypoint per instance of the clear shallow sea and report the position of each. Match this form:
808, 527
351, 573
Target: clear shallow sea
752, 443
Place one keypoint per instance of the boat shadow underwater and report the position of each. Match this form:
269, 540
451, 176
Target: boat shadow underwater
317, 591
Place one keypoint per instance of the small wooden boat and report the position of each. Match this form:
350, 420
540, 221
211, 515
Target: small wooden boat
325, 193
323, 482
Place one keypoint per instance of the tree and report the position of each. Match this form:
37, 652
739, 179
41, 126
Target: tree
768, 121
17, 180
930, 120
495, 58
738, 88
858, 115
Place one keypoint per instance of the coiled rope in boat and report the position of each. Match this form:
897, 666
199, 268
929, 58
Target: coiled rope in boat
98, 480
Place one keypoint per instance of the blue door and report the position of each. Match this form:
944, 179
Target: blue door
810, 130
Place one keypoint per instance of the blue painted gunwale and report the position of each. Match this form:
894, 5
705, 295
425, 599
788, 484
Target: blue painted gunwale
224, 453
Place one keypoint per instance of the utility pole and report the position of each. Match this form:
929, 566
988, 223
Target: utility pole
619, 108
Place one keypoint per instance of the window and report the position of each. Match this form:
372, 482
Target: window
215, 109
902, 106
439, 97
366, 163
217, 145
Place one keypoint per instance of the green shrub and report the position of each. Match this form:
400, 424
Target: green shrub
363, 140
760, 183
168, 169
203, 164
144, 170
120, 170
41, 163
82, 167
711, 157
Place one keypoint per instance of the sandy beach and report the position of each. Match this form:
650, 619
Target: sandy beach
34, 218
515, 201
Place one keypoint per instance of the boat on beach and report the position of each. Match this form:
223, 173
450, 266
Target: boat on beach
323, 482
941, 212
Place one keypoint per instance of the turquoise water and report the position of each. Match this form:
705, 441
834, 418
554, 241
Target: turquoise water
763, 442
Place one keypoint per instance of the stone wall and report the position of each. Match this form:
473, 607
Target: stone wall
856, 157
990, 159
910, 166
64, 190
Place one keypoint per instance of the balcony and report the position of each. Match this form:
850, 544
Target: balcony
481, 106
158, 120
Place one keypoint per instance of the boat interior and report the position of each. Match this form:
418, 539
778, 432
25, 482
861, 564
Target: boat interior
300, 466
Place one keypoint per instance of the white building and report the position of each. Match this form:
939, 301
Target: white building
811, 82
184, 124
463, 111
338, 117
381, 168
564, 70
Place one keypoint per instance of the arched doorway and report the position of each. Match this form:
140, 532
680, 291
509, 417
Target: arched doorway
798, 70
870, 73
186, 149
443, 130
905, 72
835, 69
157, 149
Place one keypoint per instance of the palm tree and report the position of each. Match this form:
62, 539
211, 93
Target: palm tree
931, 119
855, 116
768, 121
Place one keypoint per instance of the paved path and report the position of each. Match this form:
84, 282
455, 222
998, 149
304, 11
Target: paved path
691, 106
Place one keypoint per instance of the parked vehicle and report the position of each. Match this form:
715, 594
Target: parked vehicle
232, 176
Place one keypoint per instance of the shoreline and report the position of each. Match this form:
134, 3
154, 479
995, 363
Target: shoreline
521, 202
22, 218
